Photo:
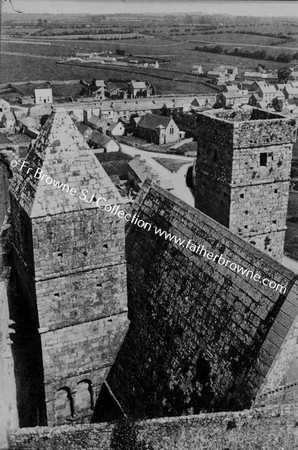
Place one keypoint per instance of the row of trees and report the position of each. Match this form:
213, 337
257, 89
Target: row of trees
243, 53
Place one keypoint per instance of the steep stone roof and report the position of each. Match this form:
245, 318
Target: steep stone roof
202, 335
61, 152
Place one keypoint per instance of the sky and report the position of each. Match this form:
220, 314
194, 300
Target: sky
245, 7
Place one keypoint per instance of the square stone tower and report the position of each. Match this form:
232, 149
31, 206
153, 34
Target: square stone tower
69, 254
243, 173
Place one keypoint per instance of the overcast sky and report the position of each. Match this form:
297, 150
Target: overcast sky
256, 8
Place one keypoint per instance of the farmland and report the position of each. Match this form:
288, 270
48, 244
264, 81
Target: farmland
181, 55
173, 38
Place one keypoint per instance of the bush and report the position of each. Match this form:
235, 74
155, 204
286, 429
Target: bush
125, 436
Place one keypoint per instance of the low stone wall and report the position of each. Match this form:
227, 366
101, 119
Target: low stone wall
266, 429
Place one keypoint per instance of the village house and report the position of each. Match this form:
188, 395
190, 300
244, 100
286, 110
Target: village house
99, 87
7, 122
294, 74
116, 129
155, 65
84, 130
200, 102
267, 92
140, 170
96, 122
4, 106
197, 69
233, 98
96, 89
231, 88
43, 96
102, 143
158, 129
29, 125
253, 75
107, 112
231, 71
256, 100
249, 85
290, 91
26, 100
222, 74
138, 89
280, 86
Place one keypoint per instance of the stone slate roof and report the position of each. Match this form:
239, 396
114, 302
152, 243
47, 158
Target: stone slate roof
99, 83
94, 120
83, 128
152, 121
61, 152
267, 89
233, 94
138, 84
206, 335
99, 139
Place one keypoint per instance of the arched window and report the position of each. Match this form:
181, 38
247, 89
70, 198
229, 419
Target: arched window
64, 407
84, 396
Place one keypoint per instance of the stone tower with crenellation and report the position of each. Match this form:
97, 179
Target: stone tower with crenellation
243, 173
69, 255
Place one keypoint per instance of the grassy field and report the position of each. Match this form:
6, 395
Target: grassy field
181, 55
27, 68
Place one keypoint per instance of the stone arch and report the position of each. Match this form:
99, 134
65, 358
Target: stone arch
64, 404
84, 395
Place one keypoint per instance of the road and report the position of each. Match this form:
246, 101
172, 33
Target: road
178, 179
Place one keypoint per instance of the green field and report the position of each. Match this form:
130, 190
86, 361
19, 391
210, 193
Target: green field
181, 55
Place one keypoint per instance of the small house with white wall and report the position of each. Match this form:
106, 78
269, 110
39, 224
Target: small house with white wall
197, 69
43, 96
4, 106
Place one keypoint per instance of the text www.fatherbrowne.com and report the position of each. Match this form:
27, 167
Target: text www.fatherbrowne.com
202, 251
135, 220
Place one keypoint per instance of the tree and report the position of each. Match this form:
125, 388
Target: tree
277, 104
165, 111
284, 57
284, 74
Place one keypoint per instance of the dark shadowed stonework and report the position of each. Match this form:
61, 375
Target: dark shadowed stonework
70, 264
202, 337
243, 173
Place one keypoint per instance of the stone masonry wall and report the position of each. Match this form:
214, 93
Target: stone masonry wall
255, 150
70, 242
198, 334
281, 383
60, 299
268, 429
4, 196
70, 259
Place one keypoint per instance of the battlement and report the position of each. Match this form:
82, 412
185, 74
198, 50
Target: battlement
248, 128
